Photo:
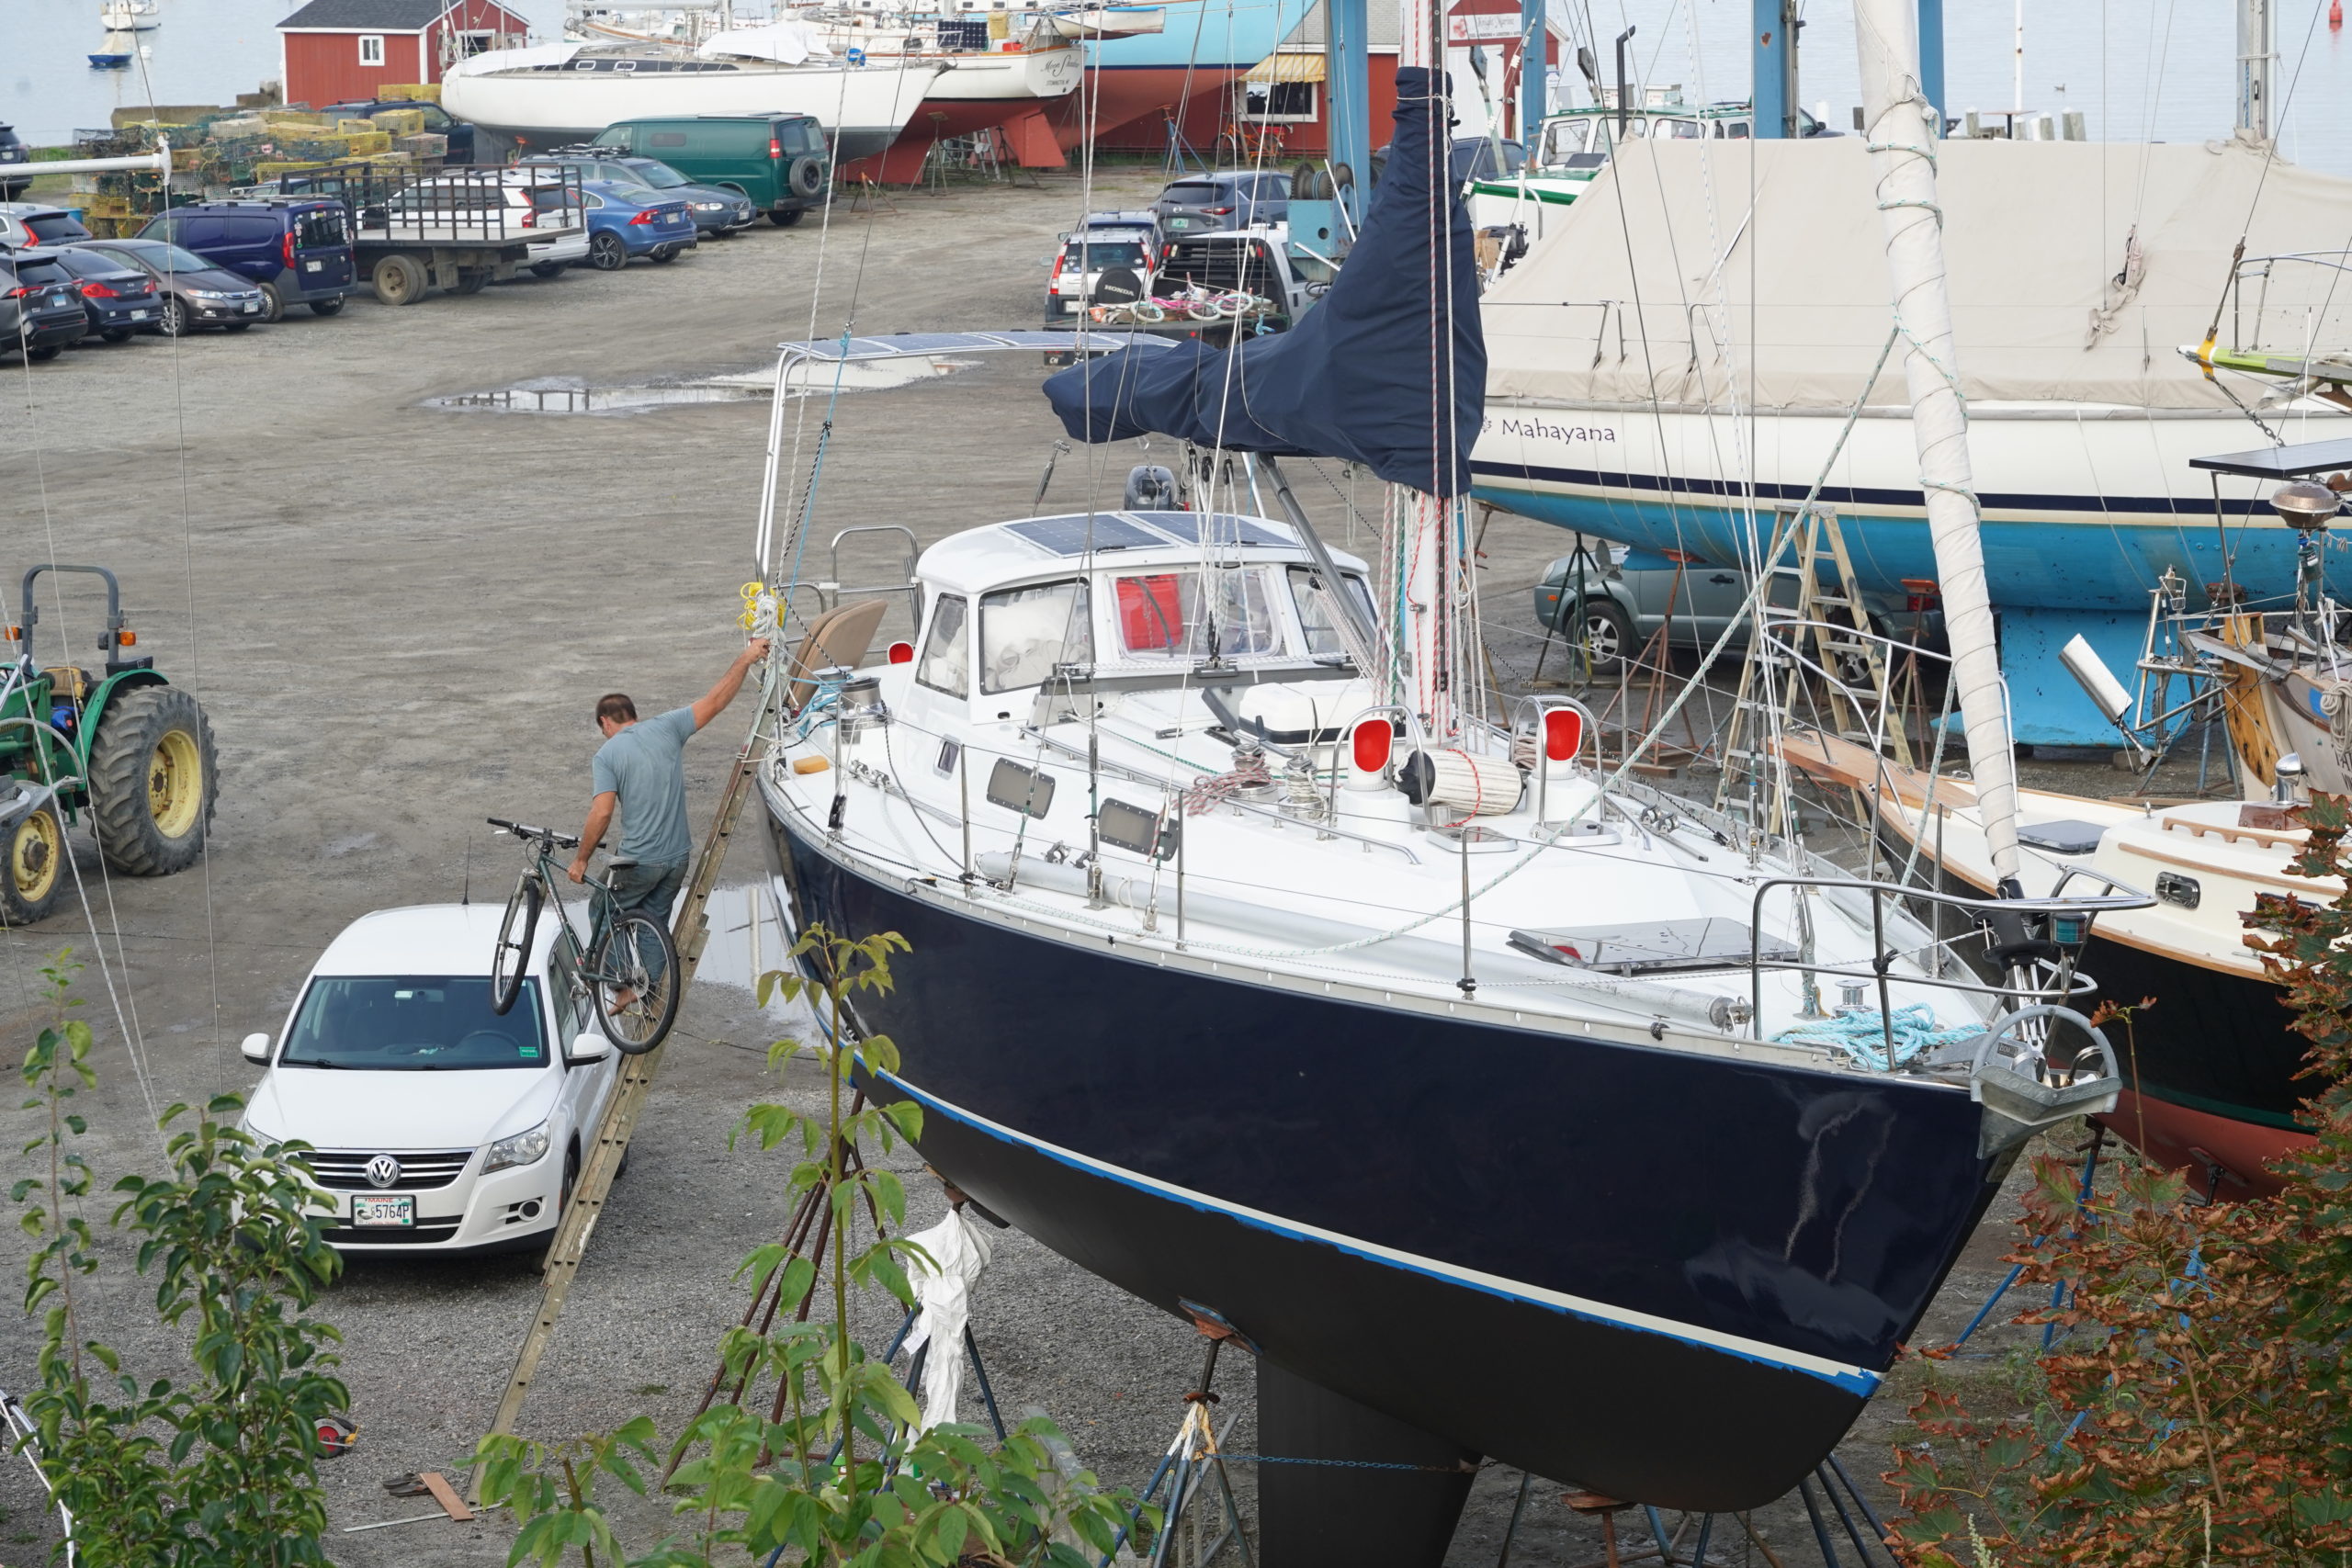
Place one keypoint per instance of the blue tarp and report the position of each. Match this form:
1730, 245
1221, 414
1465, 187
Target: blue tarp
1365, 374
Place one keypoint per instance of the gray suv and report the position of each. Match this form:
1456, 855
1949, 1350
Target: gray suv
1228, 198
1609, 601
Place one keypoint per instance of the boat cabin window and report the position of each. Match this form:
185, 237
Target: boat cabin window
1025, 632
1161, 614
946, 656
1318, 618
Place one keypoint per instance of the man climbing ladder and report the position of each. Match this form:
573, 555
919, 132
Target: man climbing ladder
641, 769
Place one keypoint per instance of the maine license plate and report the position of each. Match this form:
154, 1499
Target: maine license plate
137, 315
313, 266
252, 306
367, 1211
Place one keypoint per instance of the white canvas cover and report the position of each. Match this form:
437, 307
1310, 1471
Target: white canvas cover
1667, 255
787, 43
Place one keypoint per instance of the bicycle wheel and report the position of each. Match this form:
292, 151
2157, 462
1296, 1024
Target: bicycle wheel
513, 955
636, 959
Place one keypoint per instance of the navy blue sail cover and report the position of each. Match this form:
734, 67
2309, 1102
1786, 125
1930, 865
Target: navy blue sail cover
1388, 369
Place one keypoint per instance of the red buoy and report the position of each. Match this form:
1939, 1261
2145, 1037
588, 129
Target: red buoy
2335, 13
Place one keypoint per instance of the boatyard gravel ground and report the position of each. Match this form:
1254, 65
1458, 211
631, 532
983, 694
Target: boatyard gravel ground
399, 619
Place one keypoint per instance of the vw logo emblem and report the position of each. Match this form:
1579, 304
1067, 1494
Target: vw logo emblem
383, 1170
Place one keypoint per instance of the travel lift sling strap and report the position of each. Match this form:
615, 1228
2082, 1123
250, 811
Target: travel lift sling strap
692, 927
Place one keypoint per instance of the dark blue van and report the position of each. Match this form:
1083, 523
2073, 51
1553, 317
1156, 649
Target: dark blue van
298, 250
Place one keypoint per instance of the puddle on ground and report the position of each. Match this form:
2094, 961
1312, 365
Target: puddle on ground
562, 394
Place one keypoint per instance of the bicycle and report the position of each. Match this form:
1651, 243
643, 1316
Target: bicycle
628, 953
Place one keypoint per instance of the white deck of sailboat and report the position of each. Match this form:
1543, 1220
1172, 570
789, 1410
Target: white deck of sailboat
1367, 905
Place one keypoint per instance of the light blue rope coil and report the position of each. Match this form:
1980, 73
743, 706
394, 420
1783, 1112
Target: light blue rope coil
1858, 1035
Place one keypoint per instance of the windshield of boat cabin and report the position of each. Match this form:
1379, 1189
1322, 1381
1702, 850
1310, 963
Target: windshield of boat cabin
1318, 618
1162, 615
1025, 632
1565, 138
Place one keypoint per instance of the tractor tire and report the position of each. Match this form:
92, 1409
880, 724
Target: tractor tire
33, 873
154, 780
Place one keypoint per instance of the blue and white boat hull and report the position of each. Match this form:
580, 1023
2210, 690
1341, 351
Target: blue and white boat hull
2085, 510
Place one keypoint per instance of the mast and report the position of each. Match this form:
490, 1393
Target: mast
1902, 141
2258, 50
1425, 572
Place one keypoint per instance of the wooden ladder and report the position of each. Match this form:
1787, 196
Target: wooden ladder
690, 927
1809, 533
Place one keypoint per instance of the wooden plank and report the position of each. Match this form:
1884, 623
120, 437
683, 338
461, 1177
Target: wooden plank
446, 1495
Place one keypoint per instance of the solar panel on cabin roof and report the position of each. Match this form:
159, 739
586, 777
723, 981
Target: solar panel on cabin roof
1075, 536
1224, 528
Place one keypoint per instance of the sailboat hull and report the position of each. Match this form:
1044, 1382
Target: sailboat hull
865, 108
1674, 1279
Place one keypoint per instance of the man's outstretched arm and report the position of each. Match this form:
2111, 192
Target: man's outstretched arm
713, 703
600, 817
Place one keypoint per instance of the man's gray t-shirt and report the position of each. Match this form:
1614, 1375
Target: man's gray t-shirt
645, 765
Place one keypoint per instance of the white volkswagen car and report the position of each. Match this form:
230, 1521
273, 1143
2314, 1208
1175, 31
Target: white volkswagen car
439, 1125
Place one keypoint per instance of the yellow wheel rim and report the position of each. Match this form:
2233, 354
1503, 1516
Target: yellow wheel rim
36, 854
175, 783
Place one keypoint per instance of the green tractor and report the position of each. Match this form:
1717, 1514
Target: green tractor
128, 752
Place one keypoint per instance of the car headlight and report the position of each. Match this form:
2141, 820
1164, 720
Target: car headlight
210, 294
711, 207
520, 1149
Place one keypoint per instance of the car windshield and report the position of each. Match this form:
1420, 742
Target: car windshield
171, 258
1096, 254
319, 226
660, 175
412, 1023
55, 226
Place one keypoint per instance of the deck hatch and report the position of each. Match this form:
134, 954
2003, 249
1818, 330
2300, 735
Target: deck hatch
1650, 949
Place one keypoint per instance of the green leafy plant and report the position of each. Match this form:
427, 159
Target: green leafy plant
2197, 1408
841, 1470
218, 1471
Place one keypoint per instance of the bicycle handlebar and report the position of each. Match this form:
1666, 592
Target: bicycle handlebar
525, 830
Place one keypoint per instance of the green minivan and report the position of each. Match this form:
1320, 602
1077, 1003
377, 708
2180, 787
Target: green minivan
777, 160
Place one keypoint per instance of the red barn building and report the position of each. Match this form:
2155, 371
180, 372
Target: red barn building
340, 51
1286, 90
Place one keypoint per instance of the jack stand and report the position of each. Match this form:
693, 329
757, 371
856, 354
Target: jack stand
1848, 1513
1193, 1461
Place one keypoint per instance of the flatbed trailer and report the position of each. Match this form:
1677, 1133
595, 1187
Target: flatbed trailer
459, 230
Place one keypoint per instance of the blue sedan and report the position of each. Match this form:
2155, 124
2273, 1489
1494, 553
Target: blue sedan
631, 220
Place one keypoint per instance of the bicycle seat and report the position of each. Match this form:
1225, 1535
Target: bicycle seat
620, 863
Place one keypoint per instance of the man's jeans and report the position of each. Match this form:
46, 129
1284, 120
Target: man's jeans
652, 889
